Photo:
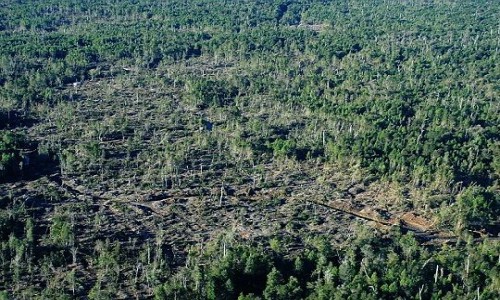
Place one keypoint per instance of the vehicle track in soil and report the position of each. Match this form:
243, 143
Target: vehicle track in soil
427, 235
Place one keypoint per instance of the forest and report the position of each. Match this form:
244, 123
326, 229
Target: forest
250, 149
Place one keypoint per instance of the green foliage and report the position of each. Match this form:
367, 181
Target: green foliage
277, 289
4, 295
370, 268
61, 230
283, 148
412, 111
212, 93
477, 205
403, 92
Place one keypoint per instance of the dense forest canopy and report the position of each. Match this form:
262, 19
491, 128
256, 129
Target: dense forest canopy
182, 149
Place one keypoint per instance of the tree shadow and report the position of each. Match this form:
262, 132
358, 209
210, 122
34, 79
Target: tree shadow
21, 159
14, 119
31, 166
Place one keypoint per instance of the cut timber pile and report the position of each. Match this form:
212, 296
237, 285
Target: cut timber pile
417, 222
